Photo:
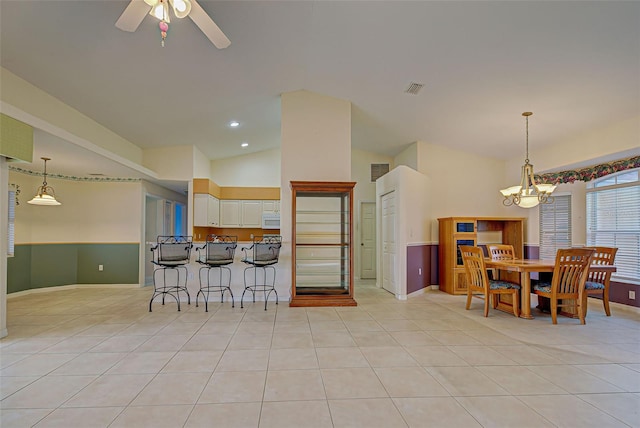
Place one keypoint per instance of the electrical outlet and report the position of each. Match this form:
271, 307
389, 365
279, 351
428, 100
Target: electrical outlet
419, 271
100, 268
632, 295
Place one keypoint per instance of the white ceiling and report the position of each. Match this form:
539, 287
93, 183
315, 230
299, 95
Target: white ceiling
575, 64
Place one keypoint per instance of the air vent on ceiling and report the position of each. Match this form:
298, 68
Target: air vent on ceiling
414, 88
378, 170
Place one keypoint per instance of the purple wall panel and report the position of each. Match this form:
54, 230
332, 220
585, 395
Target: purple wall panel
421, 266
619, 293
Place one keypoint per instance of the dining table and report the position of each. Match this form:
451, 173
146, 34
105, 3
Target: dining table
525, 267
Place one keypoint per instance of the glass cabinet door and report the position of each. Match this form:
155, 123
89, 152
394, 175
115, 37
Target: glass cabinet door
322, 243
322, 237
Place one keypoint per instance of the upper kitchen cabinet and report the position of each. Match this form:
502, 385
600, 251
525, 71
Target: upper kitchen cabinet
237, 213
206, 210
271, 207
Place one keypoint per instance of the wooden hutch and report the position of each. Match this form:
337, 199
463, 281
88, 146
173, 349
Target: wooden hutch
477, 231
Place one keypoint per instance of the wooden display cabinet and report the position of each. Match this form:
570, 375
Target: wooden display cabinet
322, 243
476, 231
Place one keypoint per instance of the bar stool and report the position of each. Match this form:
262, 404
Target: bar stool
171, 253
217, 253
264, 254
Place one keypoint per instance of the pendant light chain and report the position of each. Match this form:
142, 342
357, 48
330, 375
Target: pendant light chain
44, 174
526, 160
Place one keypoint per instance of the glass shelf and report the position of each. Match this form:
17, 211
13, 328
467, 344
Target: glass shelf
322, 242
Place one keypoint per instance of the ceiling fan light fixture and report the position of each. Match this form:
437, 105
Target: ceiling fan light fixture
181, 8
161, 11
136, 11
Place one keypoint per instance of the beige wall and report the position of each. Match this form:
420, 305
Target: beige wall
361, 161
201, 164
408, 157
462, 184
591, 147
261, 169
170, 163
90, 212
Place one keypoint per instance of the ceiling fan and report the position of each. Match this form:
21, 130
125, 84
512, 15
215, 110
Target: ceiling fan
135, 12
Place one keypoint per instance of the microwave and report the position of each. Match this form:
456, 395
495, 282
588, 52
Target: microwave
271, 221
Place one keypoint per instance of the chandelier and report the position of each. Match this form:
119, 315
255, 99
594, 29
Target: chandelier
45, 195
528, 193
160, 10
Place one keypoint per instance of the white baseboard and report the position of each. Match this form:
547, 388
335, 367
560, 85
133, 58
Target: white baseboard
68, 287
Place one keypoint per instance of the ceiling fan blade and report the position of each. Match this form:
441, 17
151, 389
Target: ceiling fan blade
208, 27
133, 15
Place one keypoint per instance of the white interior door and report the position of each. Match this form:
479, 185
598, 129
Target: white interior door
368, 240
389, 281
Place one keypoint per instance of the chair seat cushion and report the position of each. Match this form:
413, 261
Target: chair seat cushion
218, 262
543, 287
502, 285
590, 285
171, 263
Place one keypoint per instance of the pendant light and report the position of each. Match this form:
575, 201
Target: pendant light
528, 193
45, 195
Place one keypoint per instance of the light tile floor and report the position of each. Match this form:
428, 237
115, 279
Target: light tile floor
97, 358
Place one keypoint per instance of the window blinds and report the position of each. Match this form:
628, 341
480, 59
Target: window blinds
555, 226
613, 220
11, 221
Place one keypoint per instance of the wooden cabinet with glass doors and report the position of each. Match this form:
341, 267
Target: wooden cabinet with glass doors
475, 231
322, 243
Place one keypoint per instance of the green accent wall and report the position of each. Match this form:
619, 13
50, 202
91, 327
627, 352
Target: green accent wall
16, 139
51, 265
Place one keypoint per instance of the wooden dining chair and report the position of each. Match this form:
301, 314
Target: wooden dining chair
479, 283
500, 252
598, 281
567, 285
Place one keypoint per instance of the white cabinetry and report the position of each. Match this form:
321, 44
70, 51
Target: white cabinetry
271, 207
206, 210
251, 214
235, 213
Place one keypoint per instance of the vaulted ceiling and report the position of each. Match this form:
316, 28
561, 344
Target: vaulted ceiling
575, 64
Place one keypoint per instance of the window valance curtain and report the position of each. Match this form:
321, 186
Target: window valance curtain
589, 173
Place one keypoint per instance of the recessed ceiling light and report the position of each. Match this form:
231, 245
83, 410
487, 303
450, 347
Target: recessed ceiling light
244, 144
234, 124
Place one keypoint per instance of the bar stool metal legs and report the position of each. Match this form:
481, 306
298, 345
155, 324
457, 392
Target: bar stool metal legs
267, 289
207, 287
171, 290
